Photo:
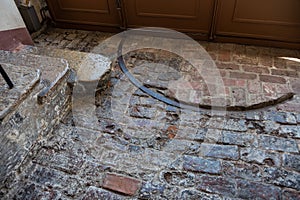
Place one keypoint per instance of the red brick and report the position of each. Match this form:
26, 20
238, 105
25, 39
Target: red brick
229, 82
122, 184
234, 82
282, 72
272, 79
253, 68
224, 56
229, 66
242, 75
246, 59
240, 83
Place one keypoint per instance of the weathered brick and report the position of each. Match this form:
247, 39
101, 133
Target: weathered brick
94, 193
268, 127
120, 183
290, 195
50, 177
280, 63
30, 190
279, 72
242, 170
290, 130
289, 107
193, 194
260, 156
229, 66
291, 161
178, 178
282, 177
227, 124
266, 60
149, 189
280, 117
242, 75
224, 55
219, 151
236, 125
278, 144
142, 112
253, 190
198, 164
298, 118
272, 79
239, 95
253, 116
253, 68
295, 84
216, 184
237, 138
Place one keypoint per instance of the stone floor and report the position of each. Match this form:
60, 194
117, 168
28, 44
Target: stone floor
142, 148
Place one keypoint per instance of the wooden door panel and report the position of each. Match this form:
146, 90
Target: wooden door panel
192, 16
77, 5
91, 12
268, 19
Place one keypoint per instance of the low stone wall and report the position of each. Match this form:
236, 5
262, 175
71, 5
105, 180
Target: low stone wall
22, 127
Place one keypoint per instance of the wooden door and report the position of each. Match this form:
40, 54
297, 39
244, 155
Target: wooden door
85, 12
192, 16
277, 20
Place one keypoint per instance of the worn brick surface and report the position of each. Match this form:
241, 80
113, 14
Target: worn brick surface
291, 161
140, 148
219, 185
253, 190
279, 144
123, 184
219, 151
198, 164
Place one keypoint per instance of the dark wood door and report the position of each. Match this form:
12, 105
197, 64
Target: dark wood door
85, 12
277, 20
192, 16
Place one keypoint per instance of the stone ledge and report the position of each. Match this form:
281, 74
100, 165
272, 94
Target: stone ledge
90, 67
52, 69
24, 79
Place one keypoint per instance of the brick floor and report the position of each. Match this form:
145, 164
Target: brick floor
141, 148
232, 76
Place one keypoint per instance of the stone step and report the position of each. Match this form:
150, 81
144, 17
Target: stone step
88, 66
53, 70
24, 80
